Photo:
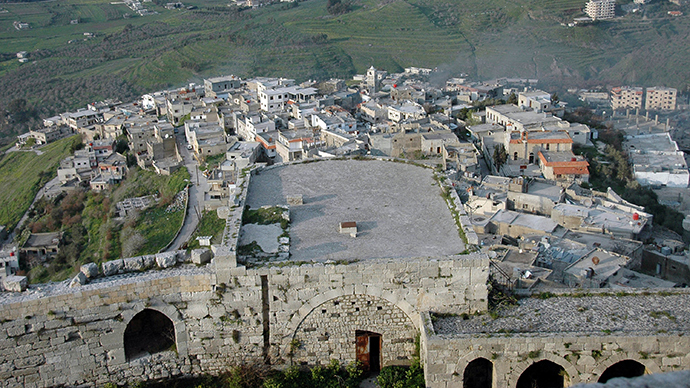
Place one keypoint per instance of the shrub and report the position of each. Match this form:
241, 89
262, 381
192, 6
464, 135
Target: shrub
402, 377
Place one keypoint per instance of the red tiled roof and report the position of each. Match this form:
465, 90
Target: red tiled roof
570, 171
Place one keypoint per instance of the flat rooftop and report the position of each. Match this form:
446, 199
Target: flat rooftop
659, 142
397, 207
637, 314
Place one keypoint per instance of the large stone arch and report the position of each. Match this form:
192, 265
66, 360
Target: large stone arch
521, 367
471, 356
651, 366
116, 337
329, 331
479, 373
319, 299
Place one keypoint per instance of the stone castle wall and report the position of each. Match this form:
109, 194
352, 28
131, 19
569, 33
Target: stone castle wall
583, 357
76, 335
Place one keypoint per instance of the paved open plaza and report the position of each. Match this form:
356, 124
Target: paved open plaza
397, 207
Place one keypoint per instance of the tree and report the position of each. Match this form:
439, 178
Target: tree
337, 7
121, 146
512, 99
500, 156
554, 99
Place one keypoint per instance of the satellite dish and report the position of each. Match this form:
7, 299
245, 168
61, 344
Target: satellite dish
595, 260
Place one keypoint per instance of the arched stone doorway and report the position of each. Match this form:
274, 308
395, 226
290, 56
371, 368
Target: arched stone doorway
346, 327
625, 368
478, 374
148, 332
543, 374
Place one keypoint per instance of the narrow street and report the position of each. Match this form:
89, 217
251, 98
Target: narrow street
196, 195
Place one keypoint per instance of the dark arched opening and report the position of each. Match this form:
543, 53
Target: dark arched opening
478, 374
625, 368
148, 332
543, 374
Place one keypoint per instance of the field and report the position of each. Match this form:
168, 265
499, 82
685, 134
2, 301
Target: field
130, 55
23, 173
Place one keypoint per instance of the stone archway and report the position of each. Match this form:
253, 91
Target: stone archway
117, 354
649, 364
330, 331
542, 374
148, 332
478, 373
624, 368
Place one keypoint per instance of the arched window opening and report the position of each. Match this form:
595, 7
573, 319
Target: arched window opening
478, 374
147, 333
625, 368
543, 374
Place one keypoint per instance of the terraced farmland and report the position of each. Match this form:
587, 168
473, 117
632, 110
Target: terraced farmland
133, 55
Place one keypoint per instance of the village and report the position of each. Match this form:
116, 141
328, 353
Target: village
517, 164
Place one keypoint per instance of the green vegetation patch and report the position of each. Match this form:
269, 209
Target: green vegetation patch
158, 226
262, 376
396, 376
265, 216
92, 233
209, 225
23, 173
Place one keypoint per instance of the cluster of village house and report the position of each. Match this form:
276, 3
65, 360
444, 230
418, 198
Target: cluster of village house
548, 230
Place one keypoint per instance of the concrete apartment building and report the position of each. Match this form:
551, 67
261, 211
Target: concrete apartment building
626, 97
661, 98
221, 86
600, 9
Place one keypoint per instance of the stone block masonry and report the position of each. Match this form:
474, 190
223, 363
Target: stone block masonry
71, 336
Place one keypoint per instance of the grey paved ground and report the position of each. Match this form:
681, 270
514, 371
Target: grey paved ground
264, 235
398, 208
639, 314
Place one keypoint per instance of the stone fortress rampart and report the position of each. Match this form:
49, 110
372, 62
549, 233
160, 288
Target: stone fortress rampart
201, 319
79, 336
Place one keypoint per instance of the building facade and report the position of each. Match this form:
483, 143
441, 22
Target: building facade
660, 98
600, 9
626, 97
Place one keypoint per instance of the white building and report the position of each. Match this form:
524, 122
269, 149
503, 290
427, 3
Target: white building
657, 160
408, 110
9, 264
626, 97
538, 100
600, 9
660, 98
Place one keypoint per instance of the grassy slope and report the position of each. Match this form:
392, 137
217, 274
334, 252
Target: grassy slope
23, 173
501, 38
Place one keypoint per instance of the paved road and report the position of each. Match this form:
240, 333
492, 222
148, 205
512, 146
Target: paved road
196, 195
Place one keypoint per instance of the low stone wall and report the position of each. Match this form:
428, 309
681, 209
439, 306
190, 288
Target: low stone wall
582, 335
584, 358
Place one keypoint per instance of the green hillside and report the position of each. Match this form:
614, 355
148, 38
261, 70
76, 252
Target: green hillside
23, 173
130, 55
